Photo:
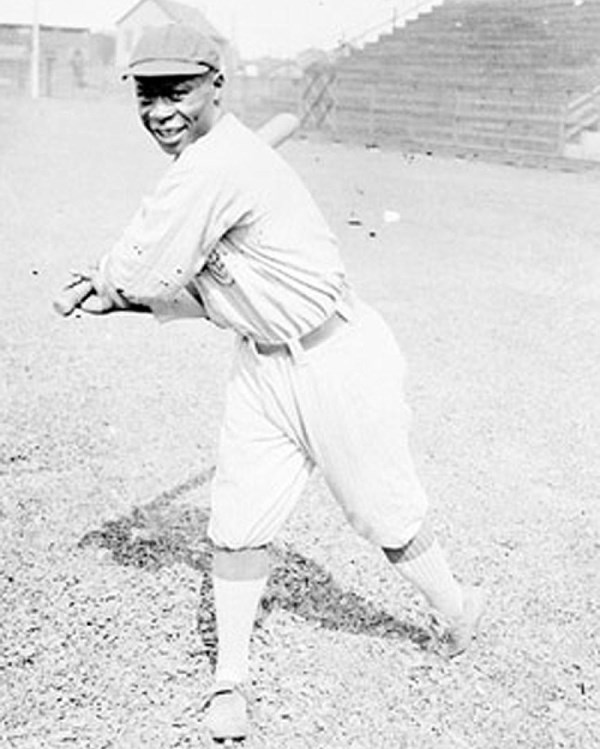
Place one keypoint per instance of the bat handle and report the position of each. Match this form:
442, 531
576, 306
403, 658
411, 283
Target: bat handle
71, 297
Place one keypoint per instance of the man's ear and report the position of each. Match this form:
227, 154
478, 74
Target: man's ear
218, 83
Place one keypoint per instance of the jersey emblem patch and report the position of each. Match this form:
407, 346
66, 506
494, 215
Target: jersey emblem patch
217, 267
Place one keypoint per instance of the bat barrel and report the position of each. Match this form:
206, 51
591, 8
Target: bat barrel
279, 128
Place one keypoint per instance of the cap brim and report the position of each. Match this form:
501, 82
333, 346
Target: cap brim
159, 68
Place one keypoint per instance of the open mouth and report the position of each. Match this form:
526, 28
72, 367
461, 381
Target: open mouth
168, 135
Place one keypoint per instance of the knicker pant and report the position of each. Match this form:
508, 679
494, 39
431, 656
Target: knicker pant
338, 406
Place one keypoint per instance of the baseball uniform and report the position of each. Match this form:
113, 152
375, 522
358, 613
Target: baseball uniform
232, 234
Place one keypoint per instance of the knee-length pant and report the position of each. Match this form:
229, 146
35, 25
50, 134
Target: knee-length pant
338, 406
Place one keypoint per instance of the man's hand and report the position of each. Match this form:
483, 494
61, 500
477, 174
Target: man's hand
85, 293
96, 302
81, 293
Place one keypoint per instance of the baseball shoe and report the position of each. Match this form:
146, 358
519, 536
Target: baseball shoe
227, 714
463, 630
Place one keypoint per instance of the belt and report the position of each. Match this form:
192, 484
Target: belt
308, 341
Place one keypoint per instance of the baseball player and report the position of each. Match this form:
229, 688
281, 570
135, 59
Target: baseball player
232, 235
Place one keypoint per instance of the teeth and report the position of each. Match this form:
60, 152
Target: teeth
168, 133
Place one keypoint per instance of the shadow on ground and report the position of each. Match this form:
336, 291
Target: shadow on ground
163, 533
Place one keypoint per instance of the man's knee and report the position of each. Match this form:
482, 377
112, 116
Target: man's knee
241, 564
417, 545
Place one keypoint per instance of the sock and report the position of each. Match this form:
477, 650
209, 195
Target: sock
236, 602
423, 563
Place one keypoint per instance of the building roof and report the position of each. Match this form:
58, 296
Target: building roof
179, 13
21, 13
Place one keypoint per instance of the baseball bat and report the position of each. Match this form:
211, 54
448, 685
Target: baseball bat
274, 132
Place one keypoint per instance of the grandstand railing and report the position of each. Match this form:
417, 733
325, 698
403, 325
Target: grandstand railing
582, 113
390, 21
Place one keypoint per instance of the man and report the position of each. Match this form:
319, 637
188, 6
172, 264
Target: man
231, 234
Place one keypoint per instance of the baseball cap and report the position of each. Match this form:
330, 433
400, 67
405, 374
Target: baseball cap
175, 49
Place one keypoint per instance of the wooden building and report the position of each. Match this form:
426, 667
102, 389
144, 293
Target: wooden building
64, 48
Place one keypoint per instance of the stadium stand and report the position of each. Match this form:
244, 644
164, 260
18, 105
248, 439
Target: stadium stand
504, 76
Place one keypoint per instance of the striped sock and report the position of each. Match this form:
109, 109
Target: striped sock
422, 562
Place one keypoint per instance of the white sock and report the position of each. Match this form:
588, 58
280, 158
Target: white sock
429, 572
236, 602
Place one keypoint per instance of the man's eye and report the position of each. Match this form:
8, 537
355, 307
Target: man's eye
148, 100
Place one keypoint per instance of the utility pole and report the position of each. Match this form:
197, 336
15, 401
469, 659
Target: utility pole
35, 51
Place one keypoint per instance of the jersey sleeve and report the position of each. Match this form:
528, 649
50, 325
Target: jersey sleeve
173, 232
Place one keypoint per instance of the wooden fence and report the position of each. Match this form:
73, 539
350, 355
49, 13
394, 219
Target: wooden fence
426, 117
422, 117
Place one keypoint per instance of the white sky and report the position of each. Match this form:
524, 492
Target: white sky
258, 27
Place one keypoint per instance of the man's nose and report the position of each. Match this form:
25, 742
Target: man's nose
162, 109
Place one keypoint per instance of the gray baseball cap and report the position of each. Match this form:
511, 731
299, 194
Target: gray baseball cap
175, 49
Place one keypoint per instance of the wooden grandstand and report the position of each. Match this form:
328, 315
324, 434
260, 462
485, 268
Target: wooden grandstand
507, 76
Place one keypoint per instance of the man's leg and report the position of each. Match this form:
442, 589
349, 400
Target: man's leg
239, 580
261, 472
422, 562
359, 423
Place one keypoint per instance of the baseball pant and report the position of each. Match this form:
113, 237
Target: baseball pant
338, 406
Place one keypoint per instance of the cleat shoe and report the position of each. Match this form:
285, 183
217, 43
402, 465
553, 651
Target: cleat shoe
227, 714
461, 631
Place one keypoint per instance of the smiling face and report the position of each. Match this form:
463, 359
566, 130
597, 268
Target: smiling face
177, 110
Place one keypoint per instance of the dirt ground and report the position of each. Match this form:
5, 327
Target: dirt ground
490, 277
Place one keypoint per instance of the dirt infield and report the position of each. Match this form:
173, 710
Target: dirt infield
490, 277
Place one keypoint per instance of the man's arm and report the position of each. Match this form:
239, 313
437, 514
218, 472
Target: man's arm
169, 237
163, 247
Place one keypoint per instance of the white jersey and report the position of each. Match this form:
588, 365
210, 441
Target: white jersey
231, 223
232, 226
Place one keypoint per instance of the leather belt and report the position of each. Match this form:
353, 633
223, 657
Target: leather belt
308, 341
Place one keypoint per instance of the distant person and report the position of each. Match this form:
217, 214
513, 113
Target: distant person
78, 68
231, 234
